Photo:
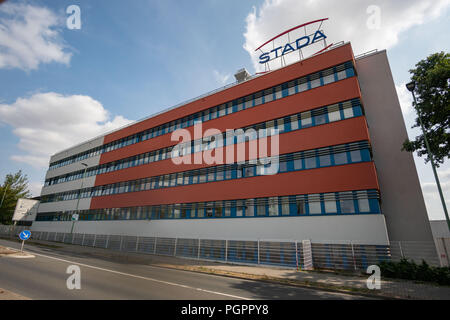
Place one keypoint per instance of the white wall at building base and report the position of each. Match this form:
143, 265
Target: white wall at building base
364, 229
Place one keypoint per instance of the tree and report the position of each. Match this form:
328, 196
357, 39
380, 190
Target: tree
14, 187
432, 77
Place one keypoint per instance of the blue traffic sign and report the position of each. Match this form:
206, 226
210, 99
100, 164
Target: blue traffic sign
25, 235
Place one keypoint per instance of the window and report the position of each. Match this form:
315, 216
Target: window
325, 160
273, 206
346, 202
341, 75
340, 158
291, 88
200, 211
268, 96
249, 208
315, 83
280, 125
314, 204
218, 211
301, 206
222, 110
211, 175
348, 113
214, 113
285, 206
278, 92
320, 119
363, 205
363, 202
209, 211
258, 98
248, 102
239, 208
298, 164
261, 209
333, 113
249, 171
310, 163
330, 203
283, 166
294, 122
355, 156
328, 78
172, 180
303, 86
180, 178
306, 119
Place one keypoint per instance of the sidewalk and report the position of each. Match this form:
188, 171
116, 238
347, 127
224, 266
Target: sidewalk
315, 279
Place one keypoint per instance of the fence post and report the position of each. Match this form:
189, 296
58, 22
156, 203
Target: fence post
401, 251
226, 250
95, 239
64, 237
258, 251
154, 249
353, 255
121, 240
82, 242
73, 237
175, 249
137, 243
107, 241
296, 254
198, 251
446, 251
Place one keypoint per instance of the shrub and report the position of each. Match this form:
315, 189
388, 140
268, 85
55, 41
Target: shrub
409, 270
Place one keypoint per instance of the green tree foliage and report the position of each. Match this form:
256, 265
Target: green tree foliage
14, 187
432, 77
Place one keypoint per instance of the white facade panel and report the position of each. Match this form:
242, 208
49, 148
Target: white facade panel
68, 186
77, 166
77, 149
364, 229
65, 205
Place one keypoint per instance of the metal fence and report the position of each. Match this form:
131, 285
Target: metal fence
343, 256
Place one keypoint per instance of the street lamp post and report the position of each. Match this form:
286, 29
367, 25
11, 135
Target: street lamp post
4, 194
79, 195
411, 86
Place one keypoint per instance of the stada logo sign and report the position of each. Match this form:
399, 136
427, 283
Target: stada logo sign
299, 42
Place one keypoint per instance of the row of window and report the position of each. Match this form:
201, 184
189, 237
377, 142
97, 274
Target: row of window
348, 202
323, 115
309, 82
303, 160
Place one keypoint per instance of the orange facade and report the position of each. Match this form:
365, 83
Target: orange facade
357, 176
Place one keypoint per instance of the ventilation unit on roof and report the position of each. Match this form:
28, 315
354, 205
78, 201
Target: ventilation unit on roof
242, 75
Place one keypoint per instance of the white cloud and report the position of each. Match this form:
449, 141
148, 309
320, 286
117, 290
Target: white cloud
432, 198
50, 122
348, 21
405, 99
30, 35
35, 188
221, 78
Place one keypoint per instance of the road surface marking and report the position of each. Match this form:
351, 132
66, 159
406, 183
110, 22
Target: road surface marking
141, 277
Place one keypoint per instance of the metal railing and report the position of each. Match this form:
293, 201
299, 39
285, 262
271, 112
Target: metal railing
342, 256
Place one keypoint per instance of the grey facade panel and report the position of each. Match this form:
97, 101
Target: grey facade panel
402, 201
77, 149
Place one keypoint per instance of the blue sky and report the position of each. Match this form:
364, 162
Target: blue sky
134, 58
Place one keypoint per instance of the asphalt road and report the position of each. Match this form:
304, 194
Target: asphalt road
45, 277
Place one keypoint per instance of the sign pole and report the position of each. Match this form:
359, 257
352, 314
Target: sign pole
23, 242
